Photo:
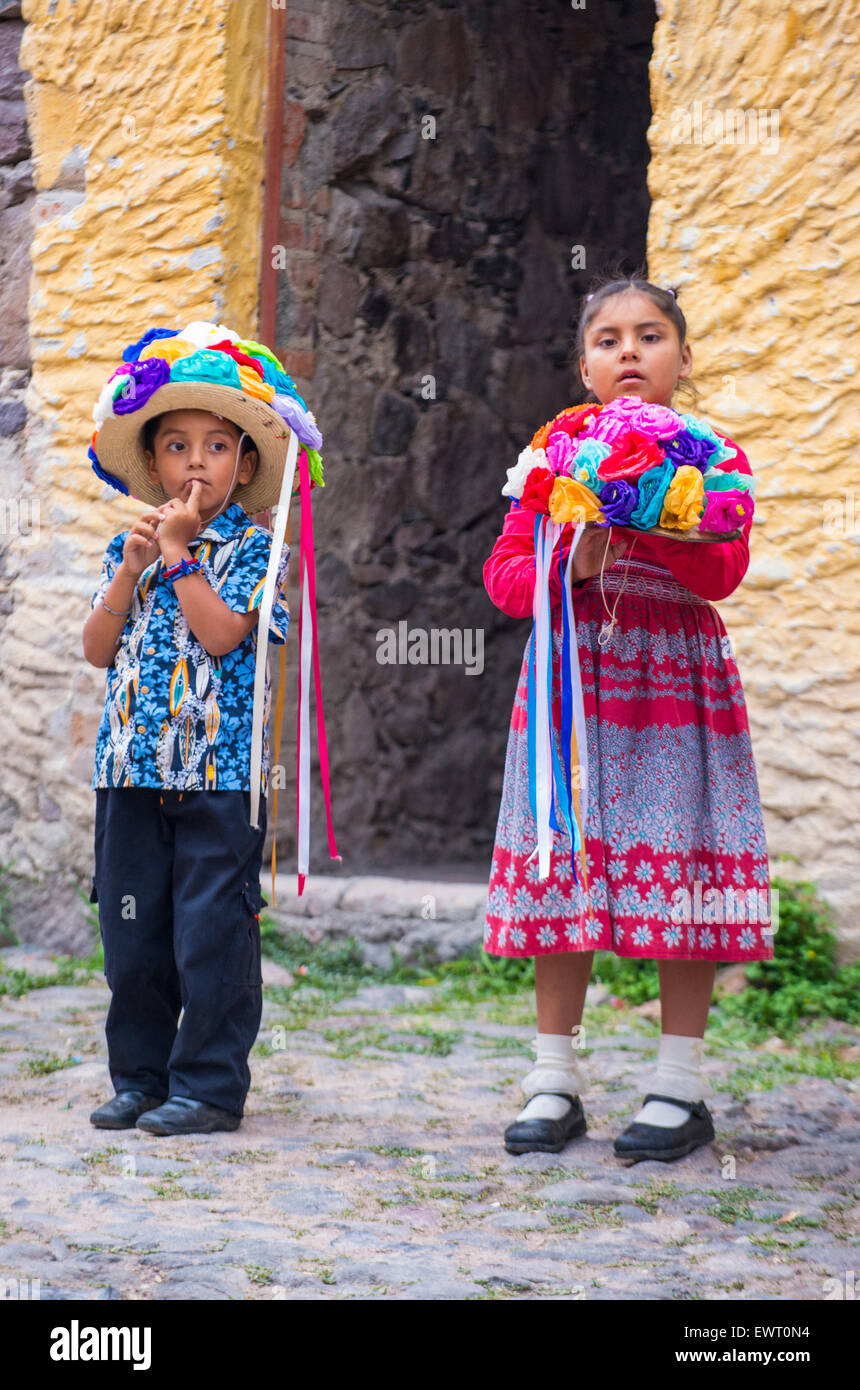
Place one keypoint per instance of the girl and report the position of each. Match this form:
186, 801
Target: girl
674, 801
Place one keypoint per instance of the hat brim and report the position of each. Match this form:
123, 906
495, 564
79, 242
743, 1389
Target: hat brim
119, 442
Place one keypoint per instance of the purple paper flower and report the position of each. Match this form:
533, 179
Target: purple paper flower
298, 420
133, 351
687, 448
617, 501
142, 380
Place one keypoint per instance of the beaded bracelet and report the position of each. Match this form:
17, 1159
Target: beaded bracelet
179, 570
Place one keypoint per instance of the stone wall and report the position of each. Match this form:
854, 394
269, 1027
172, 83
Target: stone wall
764, 236
441, 162
147, 210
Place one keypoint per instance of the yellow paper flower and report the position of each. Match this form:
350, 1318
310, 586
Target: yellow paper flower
254, 385
684, 499
573, 501
168, 348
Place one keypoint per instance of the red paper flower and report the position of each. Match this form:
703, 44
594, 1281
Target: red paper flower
240, 357
632, 456
538, 486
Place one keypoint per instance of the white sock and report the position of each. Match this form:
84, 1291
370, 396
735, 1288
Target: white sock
678, 1073
556, 1069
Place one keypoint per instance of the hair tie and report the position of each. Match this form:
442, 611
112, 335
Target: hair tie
672, 292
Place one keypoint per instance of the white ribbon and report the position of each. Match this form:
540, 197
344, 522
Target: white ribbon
266, 603
543, 751
576, 686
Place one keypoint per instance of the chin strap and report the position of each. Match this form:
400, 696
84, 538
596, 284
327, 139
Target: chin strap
243, 435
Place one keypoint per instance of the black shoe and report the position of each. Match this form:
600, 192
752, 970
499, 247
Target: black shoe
656, 1141
182, 1115
122, 1111
546, 1136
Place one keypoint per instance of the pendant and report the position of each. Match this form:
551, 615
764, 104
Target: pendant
605, 633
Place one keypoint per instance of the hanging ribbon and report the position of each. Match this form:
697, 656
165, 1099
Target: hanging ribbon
308, 654
266, 603
309, 648
550, 777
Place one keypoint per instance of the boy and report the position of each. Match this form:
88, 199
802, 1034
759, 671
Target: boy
174, 621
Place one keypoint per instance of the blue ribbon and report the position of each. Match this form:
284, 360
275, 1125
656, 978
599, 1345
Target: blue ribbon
560, 777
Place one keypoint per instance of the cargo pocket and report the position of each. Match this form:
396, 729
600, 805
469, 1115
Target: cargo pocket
244, 962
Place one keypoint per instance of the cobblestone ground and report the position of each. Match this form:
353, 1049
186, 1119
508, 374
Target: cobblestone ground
370, 1165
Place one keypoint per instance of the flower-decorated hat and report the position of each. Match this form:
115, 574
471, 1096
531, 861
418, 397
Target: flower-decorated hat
203, 366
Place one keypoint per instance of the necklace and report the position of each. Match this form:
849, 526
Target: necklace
606, 631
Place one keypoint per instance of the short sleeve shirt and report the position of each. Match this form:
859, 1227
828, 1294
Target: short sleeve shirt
175, 716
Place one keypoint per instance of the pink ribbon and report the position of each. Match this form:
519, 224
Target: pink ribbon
307, 574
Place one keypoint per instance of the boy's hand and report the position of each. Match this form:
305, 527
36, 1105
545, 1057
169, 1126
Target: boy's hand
141, 544
181, 516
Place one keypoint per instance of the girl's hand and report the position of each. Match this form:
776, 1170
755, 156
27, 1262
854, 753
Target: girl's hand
181, 516
141, 544
588, 556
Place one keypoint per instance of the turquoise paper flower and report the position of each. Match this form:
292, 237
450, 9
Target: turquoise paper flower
701, 430
653, 486
588, 456
206, 365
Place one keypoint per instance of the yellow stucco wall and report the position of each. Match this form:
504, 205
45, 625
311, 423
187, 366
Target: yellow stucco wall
764, 237
147, 125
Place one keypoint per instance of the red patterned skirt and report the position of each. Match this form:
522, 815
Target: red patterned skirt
675, 844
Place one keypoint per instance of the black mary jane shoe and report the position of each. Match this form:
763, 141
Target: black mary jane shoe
546, 1136
123, 1109
182, 1115
640, 1141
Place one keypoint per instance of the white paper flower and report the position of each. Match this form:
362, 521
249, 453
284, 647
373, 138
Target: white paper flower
528, 459
104, 405
203, 335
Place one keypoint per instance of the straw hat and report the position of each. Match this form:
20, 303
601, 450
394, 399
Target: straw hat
203, 366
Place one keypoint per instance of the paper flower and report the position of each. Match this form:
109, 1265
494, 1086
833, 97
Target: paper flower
618, 500
133, 352
298, 419
100, 472
572, 421
254, 385
528, 459
168, 349
589, 454
652, 488
631, 455
570, 500
626, 413
723, 479
682, 504
687, 448
726, 511
560, 450
702, 430
205, 365
142, 380
538, 486
203, 335
668, 463
104, 405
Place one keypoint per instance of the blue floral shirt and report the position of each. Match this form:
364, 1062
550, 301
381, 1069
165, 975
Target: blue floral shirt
175, 716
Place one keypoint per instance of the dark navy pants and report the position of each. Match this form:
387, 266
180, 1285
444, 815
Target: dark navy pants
177, 881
